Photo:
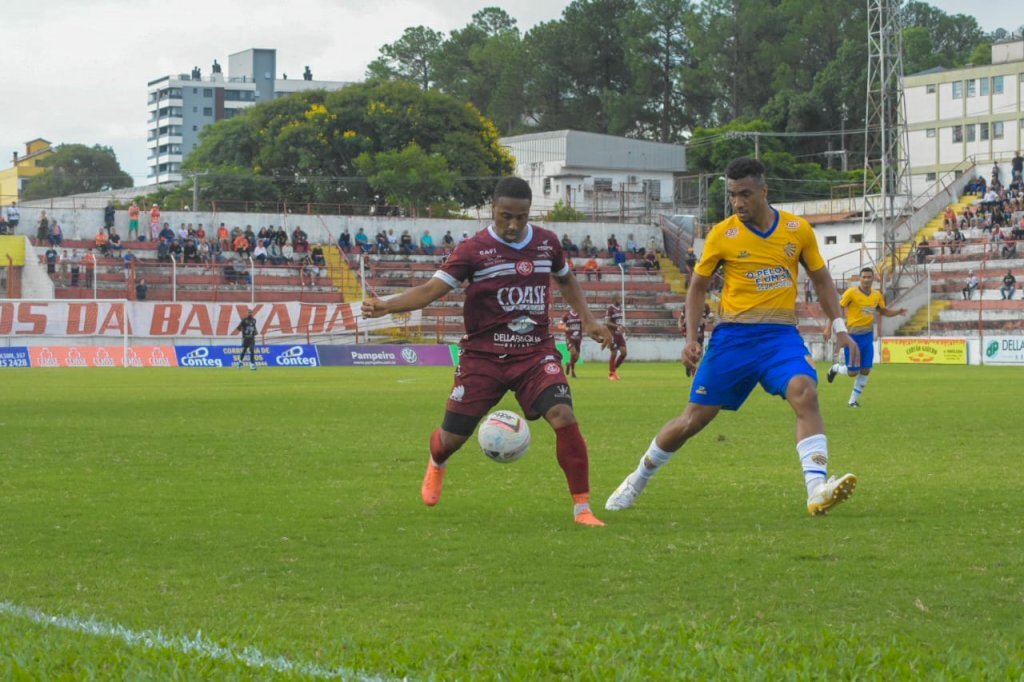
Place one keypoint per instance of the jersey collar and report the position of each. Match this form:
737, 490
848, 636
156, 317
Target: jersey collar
519, 245
769, 231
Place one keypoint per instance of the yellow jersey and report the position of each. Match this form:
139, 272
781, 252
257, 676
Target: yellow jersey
760, 268
861, 308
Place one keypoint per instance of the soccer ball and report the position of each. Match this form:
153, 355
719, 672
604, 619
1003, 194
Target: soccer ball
504, 436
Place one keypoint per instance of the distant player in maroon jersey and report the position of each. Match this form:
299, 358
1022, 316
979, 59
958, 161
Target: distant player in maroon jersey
613, 319
705, 320
508, 346
572, 324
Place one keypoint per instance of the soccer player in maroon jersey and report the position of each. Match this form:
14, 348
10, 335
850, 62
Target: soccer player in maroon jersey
508, 345
572, 325
613, 319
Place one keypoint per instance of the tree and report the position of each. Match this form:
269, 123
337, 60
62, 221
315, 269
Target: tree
308, 143
411, 57
409, 177
659, 59
76, 168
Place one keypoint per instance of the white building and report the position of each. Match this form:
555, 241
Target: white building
179, 106
604, 176
955, 114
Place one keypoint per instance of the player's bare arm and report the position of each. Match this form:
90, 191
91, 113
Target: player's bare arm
695, 298
573, 295
412, 299
889, 312
828, 297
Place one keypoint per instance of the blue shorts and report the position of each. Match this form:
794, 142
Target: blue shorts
866, 343
740, 356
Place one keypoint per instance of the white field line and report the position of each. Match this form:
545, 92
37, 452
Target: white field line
191, 646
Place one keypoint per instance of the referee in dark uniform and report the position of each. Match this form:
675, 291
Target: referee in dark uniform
248, 328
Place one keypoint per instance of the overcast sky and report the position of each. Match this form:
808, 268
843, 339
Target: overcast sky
76, 70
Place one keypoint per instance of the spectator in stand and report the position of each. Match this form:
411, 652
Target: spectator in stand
380, 246
393, 247
175, 251
568, 247
448, 241
115, 240
250, 237
345, 241
652, 246
464, 237
200, 234
288, 253
405, 241
260, 252
203, 249
133, 220
13, 217
690, 262
183, 233
970, 285
190, 253
51, 262
923, 251
128, 260
74, 262
56, 235
427, 243
241, 246
631, 247
216, 255
4, 227
619, 258
651, 262
949, 218
1009, 285
108, 215
102, 242
42, 228
362, 241
300, 241
613, 244
154, 221
163, 251
141, 290
1016, 167
990, 198
319, 261
591, 268
64, 261
808, 290
1010, 249
166, 234
89, 267
588, 248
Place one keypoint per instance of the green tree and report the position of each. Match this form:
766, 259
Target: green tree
659, 61
76, 168
408, 177
411, 57
562, 213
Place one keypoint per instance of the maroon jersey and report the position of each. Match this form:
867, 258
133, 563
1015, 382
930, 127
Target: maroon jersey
614, 317
507, 308
573, 326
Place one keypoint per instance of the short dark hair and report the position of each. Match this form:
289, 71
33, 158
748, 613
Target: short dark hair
867, 269
513, 188
745, 167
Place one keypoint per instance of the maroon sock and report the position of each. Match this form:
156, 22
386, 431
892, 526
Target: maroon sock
571, 450
611, 363
619, 361
438, 451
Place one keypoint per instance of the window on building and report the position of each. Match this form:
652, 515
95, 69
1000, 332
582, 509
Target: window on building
929, 177
958, 89
983, 131
983, 87
997, 130
207, 92
195, 128
929, 89
930, 132
856, 238
830, 239
958, 133
195, 109
195, 90
652, 188
547, 185
602, 184
997, 85
970, 132
972, 87
207, 111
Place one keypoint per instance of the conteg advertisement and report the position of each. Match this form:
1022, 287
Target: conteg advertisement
15, 357
187, 319
102, 356
1003, 350
299, 355
925, 351
438, 355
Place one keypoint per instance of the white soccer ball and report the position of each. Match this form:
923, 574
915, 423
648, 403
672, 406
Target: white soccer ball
504, 436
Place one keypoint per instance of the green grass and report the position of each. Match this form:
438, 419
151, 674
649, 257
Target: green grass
280, 510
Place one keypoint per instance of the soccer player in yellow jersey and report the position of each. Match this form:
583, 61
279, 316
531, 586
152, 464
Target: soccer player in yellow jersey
756, 339
861, 303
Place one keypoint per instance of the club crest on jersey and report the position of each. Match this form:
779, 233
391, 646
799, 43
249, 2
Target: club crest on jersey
743, 254
457, 393
524, 268
790, 249
553, 368
792, 225
732, 232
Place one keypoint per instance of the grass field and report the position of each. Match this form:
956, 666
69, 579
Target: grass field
221, 524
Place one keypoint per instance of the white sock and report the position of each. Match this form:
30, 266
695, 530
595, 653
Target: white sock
813, 452
655, 456
858, 387
839, 368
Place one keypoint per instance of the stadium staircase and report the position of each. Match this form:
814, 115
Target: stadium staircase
673, 275
928, 231
342, 275
920, 321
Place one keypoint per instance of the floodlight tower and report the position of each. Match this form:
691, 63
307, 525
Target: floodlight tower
886, 156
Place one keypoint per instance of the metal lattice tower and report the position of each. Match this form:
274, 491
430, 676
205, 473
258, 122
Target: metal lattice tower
886, 158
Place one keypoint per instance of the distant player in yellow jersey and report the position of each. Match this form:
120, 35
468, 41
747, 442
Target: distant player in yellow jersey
756, 339
861, 303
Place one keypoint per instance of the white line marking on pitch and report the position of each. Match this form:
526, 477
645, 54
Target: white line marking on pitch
198, 645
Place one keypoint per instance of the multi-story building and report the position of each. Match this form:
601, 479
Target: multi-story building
14, 179
182, 105
603, 176
957, 114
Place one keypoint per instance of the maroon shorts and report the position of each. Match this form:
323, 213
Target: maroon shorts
481, 379
574, 342
618, 340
